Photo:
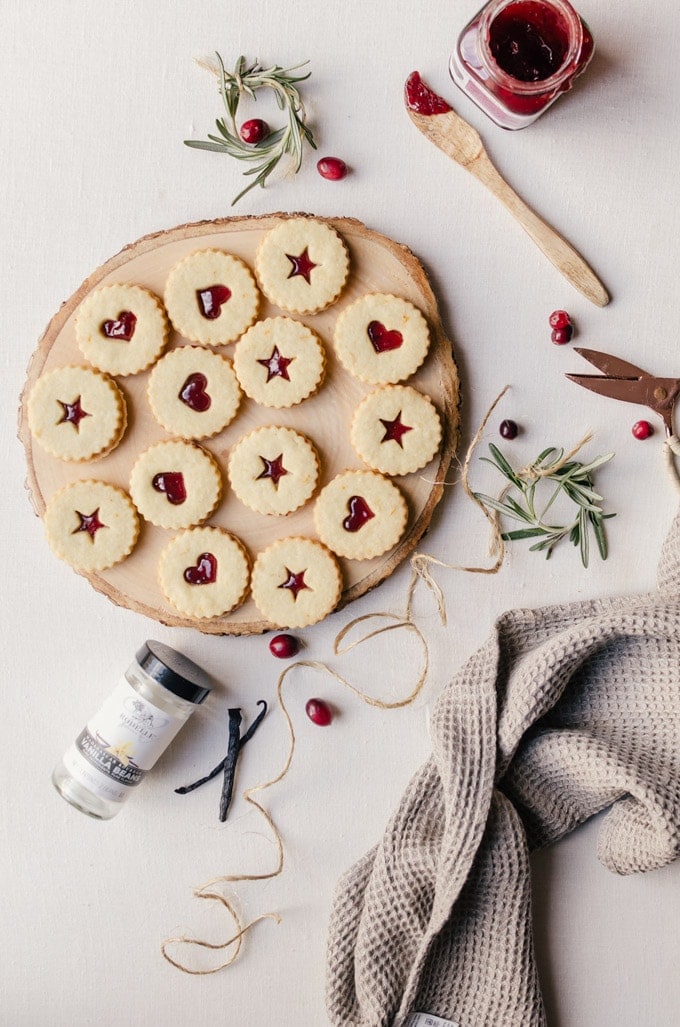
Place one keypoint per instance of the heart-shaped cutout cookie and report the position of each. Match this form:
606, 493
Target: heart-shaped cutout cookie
204, 571
194, 393
172, 484
122, 327
384, 339
359, 513
211, 300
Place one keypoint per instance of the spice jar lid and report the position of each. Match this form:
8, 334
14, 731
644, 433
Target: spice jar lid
174, 671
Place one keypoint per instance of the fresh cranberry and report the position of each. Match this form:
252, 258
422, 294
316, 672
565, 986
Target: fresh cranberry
331, 168
508, 429
284, 647
561, 335
642, 430
318, 712
254, 131
559, 319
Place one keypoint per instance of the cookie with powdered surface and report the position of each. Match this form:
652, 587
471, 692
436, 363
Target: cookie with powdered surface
273, 470
302, 265
396, 429
76, 413
194, 392
121, 329
92, 525
381, 339
211, 297
175, 484
279, 362
296, 582
204, 572
360, 514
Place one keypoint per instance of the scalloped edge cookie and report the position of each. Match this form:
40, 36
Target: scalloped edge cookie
396, 429
91, 524
77, 413
201, 484
128, 348
381, 339
302, 265
200, 315
204, 572
273, 470
169, 395
374, 504
280, 362
296, 582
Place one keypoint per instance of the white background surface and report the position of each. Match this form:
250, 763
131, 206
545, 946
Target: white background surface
96, 100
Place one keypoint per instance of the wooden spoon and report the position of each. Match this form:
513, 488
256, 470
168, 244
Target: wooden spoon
460, 141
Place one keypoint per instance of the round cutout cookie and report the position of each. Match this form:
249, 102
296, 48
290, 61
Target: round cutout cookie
396, 429
121, 329
273, 470
211, 297
92, 525
193, 392
204, 572
76, 413
360, 514
279, 362
302, 265
175, 484
296, 582
381, 339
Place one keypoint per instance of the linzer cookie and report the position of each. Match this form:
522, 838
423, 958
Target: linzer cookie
204, 572
360, 514
211, 297
296, 582
273, 470
76, 413
92, 525
396, 429
175, 484
279, 362
381, 338
121, 329
302, 265
194, 392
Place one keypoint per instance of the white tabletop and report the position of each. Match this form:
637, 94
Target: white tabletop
97, 99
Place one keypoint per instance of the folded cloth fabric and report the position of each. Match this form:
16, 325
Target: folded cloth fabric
564, 712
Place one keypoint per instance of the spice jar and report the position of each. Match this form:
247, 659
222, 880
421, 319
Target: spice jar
153, 699
517, 56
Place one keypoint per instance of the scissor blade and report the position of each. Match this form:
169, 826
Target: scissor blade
609, 364
630, 390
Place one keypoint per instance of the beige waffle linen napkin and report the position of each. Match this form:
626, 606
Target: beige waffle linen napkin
565, 711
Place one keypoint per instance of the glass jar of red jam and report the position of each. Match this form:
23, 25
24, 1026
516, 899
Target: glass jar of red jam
516, 56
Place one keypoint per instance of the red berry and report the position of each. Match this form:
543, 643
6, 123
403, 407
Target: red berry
254, 131
284, 646
508, 429
318, 712
559, 319
331, 168
642, 430
561, 335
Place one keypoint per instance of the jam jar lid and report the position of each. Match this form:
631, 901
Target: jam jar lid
174, 671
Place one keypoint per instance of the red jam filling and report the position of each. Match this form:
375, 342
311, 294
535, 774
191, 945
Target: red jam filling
277, 365
384, 339
203, 572
529, 40
194, 393
395, 430
73, 413
211, 299
273, 469
295, 582
302, 266
421, 99
89, 523
359, 513
172, 484
123, 327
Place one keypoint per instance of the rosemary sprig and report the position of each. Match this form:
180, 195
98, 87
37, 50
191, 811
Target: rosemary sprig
571, 478
265, 155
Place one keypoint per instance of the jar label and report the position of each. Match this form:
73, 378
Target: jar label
120, 743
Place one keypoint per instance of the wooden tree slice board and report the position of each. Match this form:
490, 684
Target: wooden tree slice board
377, 265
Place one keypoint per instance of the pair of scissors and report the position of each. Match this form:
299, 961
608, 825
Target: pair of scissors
624, 381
